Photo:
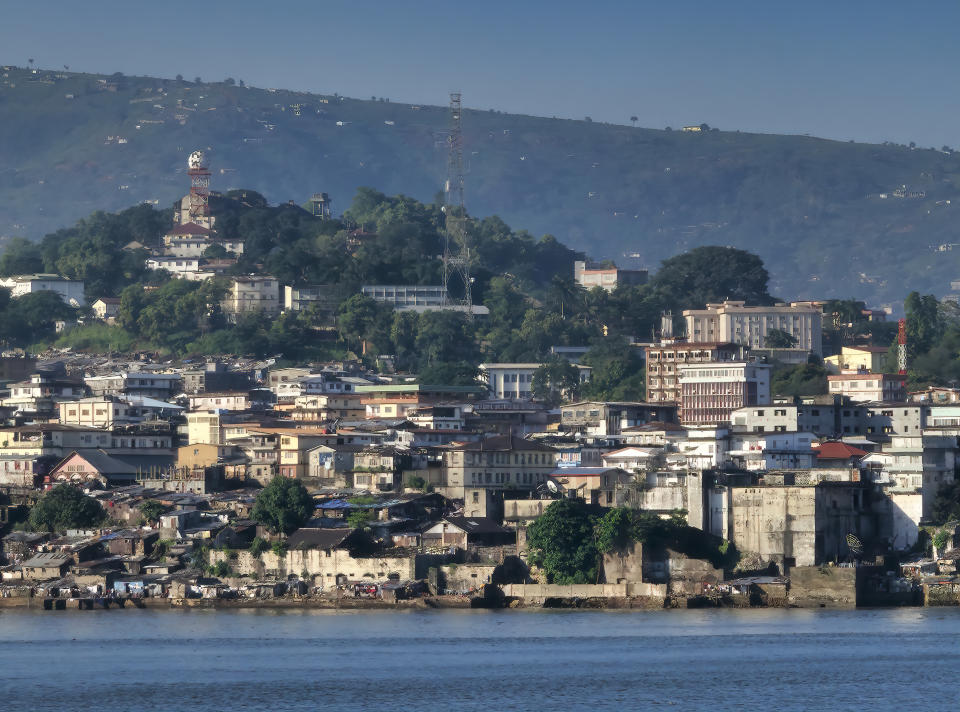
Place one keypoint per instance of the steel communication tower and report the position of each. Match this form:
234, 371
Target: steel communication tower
199, 185
456, 250
902, 347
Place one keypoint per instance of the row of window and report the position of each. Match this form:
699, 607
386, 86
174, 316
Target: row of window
499, 478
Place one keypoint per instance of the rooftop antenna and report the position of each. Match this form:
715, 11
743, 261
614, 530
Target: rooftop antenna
456, 251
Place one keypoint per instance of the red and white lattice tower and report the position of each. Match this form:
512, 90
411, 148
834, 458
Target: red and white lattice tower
902, 347
199, 185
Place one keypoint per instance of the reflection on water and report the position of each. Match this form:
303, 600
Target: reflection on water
473, 660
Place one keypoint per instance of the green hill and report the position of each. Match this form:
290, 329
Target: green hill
824, 215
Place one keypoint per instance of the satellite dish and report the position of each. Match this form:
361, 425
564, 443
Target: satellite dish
552, 486
854, 544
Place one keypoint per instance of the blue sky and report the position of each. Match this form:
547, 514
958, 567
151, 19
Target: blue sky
844, 69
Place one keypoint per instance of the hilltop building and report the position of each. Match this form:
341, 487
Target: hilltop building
69, 290
735, 322
589, 275
254, 293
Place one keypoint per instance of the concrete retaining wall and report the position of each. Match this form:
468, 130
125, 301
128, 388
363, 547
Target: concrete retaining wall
823, 587
542, 591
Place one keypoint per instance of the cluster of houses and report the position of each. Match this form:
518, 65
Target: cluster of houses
448, 478
415, 482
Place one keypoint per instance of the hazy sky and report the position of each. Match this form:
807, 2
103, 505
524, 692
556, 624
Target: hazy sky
846, 69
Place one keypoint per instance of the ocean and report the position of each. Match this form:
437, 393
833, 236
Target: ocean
233, 660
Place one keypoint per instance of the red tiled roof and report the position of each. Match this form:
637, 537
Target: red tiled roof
838, 451
188, 229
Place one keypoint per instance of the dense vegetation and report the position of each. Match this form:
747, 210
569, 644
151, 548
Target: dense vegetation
283, 506
526, 283
825, 216
65, 507
570, 538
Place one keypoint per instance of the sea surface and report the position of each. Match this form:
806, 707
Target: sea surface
200, 660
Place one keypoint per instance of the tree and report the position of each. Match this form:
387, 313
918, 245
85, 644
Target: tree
711, 274
360, 518
65, 507
561, 542
616, 530
21, 257
457, 373
946, 505
555, 380
33, 317
634, 120
779, 339
258, 546
283, 505
808, 379
925, 324
617, 374
215, 252
151, 509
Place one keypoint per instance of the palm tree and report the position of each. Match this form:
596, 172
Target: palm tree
634, 120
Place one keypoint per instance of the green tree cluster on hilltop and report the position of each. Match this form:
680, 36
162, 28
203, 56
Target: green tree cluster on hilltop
526, 283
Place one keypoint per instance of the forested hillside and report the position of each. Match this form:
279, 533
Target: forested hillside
526, 283
829, 219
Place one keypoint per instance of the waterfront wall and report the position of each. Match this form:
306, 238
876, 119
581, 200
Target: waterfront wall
823, 587
532, 592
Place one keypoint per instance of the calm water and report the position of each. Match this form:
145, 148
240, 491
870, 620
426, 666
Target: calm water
480, 660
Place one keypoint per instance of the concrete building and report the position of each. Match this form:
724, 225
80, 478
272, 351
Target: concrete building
252, 294
800, 525
401, 296
236, 401
495, 463
605, 418
590, 275
190, 268
734, 322
302, 298
710, 392
920, 463
871, 387
776, 451
515, 380
69, 290
106, 307
98, 412
665, 358
161, 386
858, 359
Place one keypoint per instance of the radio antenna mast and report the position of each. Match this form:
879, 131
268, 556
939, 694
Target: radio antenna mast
456, 250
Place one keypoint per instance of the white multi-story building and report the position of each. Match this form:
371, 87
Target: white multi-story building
710, 392
181, 267
69, 290
401, 296
885, 387
252, 294
734, 322
302, 298
515, 380
97, 412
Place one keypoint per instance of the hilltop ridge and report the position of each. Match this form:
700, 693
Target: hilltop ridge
829, 219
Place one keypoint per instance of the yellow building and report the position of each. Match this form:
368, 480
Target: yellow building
857, 358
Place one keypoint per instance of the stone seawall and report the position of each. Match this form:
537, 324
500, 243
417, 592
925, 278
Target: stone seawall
823, 587
537, 593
